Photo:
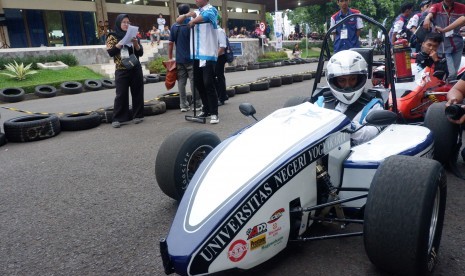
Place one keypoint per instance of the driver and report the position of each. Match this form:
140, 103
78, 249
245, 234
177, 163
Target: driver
347, 75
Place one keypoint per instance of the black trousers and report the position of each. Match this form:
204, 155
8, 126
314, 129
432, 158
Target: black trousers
125, 79
220, 80
205, 84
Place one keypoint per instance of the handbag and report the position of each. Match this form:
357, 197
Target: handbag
130, 62
229, 52
171, 74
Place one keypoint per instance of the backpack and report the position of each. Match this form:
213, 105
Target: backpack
228, 52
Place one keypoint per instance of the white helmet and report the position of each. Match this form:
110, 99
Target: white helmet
345, 63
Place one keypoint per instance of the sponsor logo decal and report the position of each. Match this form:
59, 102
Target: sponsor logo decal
230, 227
273, 243
276, 215
256, 230
237, 250
257, 242
275, 231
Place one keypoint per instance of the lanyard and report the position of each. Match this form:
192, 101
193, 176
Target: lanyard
448, 12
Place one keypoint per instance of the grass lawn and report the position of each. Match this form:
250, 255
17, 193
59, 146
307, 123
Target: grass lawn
312, 53
49, 77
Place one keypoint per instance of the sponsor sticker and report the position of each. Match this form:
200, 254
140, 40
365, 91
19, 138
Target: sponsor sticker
276, 229
276, 215
256, 230
273, 243
237, 250
257, 242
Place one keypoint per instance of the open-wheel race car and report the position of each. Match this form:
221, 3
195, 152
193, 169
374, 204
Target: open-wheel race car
244, 199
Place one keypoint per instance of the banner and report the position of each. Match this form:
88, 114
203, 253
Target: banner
278, 29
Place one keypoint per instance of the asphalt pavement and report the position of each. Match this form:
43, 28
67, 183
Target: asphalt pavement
87, 203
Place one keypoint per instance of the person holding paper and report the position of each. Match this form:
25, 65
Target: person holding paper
445, 13
120, 45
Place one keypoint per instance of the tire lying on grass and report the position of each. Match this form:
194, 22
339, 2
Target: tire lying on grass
71, 87
179, 156
404, 215
107, 83
45, 91
32, 128
93, 85
12, 95
80, 121
154, 107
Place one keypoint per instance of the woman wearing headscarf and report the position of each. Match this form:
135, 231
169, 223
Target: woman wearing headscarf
126, 78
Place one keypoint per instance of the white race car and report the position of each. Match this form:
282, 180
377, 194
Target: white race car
244, 199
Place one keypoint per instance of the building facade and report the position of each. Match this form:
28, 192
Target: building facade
35, 23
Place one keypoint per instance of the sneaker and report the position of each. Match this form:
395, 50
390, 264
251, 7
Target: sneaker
203, 114
214, 119
138, 120
199, 108
116, 124
185, 109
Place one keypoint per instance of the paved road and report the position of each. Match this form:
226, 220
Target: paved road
87, 203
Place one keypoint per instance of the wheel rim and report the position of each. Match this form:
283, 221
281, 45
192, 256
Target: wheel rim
434, 220
195, 160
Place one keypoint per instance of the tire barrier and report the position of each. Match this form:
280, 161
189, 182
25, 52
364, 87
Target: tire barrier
242, 89
106, 114
260, 85
263, 65
107, 83
229, 69
253, 67
12, 95
171, 100
32, 128
297, 78
287, 79
152, 78
275, 82
80, 121
2, 139
230, 91
241, 67
307, 76
162, 76
93, 85
154, 107
71, 87
45, 91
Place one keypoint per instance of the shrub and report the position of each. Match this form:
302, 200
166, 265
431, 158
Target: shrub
68, 59
18, 71
156, 66
271, 56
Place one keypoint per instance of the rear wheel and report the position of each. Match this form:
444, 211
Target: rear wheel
404, 215
445, 133
179, 157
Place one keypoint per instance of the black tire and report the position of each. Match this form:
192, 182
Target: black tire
12, 95
287, 79
275, 82
229, 69
71, 87
296, 100
263, 65
231, 91
179, 156
45, 91
31, 128
242, 89
260, 85
253, 67
404, 215
154, 108
107, 83
445, 133
2, 139
162, 76
80, 121
93, 85
172, 100
106, 114
241, 68
152, 78
307, 76
297, 78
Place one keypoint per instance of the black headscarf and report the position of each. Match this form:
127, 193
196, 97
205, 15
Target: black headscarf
119, 33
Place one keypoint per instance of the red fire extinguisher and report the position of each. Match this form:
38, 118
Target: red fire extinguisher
402, 52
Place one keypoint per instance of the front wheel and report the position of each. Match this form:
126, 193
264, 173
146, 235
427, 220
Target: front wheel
179, 157
404, 215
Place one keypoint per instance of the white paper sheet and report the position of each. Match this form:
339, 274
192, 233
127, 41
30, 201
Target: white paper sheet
130, 34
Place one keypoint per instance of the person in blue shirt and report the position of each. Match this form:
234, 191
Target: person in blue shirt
400, 23
179, 36
205, 55
346, 36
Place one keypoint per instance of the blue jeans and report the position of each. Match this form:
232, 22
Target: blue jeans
453, 64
